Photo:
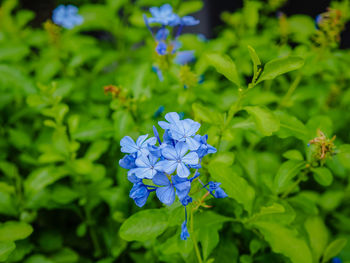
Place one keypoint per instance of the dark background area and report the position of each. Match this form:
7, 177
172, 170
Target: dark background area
209, 15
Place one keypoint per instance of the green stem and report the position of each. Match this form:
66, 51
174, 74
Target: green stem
290, 91
193, 237
92, 233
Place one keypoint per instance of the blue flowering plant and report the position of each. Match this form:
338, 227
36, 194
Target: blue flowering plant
169, 168
67, 16
169, 28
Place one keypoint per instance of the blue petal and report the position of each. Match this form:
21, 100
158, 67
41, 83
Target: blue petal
185, 201
128, 145
127, 162
166, 194
167, 166
190, 158
161, 179
192, 144
172, 117
220, 193
162, 34
181, 149
170, 153
133, 179
184, 57
182, 170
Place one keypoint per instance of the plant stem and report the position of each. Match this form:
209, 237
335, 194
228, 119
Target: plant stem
290, 91
193, 237
92, 233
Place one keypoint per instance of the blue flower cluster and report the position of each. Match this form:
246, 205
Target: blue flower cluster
67, 16
169, 164
168, 20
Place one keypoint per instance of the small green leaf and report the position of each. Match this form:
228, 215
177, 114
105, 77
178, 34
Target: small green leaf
293, 155
12, 231
5, 250
144, 225
256, 64
323, 176
334, 249
286, 173
279, 66
225, 66
265, 120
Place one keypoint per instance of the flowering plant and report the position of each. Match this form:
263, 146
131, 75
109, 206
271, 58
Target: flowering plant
169, 164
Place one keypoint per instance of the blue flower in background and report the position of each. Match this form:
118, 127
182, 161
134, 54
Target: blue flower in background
67, 16
189, 21
164, 15
176, 159
162, 34
336, 260
184, 57
168, 164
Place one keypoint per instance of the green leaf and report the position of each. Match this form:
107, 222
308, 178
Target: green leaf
285, 241
43, 177
12, 231
287, 171
265, 120
225, 66
256, 64
318, 236
291, 126
93, 129
96, 149
334, 249
234, 185
279, 66
5, 250
323, 176
144, 225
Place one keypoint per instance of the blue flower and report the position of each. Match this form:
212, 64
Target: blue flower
128, 162
140, 147
184, 231
176, 159
216, 190
139, 192
147, 166
67, 16
166, 193
181, 130
204, 147
184, 57
161, 48
189, 21
164, 15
